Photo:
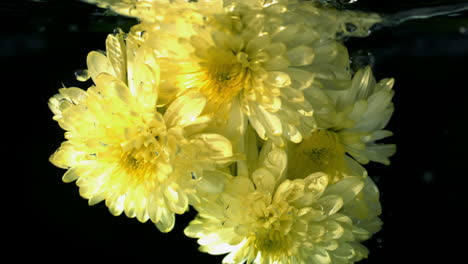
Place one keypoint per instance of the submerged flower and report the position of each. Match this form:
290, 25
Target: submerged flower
265, 218
323, 151
354, 113
195, 82
121, 149
259, 53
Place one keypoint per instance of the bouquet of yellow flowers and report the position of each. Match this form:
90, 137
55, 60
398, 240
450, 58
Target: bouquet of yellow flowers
247, 111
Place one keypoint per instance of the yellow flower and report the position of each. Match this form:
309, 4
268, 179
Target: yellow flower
121, 149
256, 56
259, 53
354, 114
323, 151
265, 218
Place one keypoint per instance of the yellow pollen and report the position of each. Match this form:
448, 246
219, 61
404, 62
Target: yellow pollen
137, 164
273, 243
274, 223
222, 77
322, 151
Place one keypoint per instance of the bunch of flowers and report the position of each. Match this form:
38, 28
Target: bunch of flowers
245, 110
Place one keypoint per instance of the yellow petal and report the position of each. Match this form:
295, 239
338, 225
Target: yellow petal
301, 55
116, 54
217, 146
167, 221
185, 109
98, 63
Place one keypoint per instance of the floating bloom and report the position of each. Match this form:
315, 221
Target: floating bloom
265, 218
121, 149
195, 82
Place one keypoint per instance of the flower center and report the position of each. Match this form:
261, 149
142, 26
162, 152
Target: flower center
134, 164
225, 78
274, 223
220, 76
141, 155
322, 151
273, 242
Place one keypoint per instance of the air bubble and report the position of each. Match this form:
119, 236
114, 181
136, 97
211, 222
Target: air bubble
463, 30
428, 177
361, 59
82, 75
350, 27
379, 242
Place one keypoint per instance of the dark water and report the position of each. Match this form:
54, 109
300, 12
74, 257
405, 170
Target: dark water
44, 42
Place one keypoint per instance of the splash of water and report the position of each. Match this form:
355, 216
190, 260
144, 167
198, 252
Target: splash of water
420, 13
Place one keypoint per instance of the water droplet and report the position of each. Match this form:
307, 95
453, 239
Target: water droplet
103, 144
379, 242
141, 33
350, 27
194, 176
82, 75
361, 59
116, 31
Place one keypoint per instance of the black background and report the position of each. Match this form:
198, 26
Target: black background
44, 42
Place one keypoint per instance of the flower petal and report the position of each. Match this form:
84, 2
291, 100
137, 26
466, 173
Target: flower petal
98, 63
347, 188
185, 109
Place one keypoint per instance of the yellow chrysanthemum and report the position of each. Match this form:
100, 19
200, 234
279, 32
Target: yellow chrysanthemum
121, 149
354, 114
323, 151
266, 218
255, 52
